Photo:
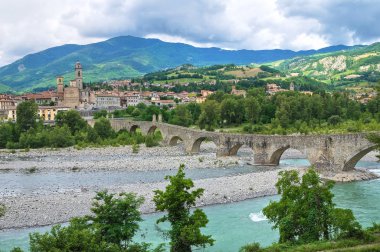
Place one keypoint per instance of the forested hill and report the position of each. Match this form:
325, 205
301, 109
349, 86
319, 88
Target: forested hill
124, 57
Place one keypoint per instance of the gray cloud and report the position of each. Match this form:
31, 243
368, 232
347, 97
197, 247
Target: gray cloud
31, 25
341, 21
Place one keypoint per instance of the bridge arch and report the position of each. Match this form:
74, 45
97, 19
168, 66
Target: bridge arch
234, 149
196, 145
353, 160
278, 153
174, 140
152, 129
133, 128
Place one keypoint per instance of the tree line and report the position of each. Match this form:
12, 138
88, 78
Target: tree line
282, 113
70, 129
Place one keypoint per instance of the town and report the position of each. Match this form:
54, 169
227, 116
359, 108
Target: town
119, 94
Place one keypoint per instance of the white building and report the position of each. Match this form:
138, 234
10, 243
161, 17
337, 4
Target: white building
107, 100
133, 99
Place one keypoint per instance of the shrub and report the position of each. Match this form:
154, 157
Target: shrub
61, 137
135, 148
150, 141
103, 128
254, 247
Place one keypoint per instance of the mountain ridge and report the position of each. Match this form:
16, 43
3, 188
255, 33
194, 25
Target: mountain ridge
128, 57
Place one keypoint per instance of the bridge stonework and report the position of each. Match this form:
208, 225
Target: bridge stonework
328, 153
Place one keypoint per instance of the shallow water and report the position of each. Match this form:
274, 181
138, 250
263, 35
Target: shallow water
233, 225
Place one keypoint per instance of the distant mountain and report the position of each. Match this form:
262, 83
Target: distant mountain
126, 57
361, 64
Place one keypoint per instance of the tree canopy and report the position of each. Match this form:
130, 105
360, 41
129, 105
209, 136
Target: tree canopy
177, 199
306, 212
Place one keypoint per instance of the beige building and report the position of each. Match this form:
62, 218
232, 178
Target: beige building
45, 113
48, 113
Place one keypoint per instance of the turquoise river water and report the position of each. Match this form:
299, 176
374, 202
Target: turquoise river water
233, 225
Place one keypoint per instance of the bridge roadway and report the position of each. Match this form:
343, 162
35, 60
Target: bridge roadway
328, 153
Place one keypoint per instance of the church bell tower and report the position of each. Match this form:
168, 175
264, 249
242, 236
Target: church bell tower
78, 75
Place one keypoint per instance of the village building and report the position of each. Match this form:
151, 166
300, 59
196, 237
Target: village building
132, 99
48, 113
107, 101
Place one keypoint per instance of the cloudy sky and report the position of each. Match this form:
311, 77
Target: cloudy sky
28, 26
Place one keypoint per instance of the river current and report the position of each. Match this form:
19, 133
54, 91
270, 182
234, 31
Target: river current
231, 225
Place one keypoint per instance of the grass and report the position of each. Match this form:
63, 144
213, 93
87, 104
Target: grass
339, 245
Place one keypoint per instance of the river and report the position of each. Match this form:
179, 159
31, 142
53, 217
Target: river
233, 225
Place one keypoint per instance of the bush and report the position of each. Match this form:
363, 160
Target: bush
103, 128
150, 141
61, 137
135, 148
100, 113
12, 145
254, 247
334, 120
6, 134
2, 210
34, 139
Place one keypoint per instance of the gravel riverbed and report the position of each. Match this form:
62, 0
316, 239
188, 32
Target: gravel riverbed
56, 205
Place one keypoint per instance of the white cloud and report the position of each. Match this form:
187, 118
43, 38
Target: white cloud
32, 25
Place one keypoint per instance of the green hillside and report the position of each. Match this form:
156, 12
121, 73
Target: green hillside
126, 57
357, 67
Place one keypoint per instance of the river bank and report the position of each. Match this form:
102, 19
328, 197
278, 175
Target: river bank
59, 204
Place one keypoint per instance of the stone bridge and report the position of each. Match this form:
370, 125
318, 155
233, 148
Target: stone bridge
328, 153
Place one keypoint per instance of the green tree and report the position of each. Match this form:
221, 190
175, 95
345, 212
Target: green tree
177, 200
26, 115
210, 115
100, 113
334, 120
111, 228
103, 128
195, 111
306, 213
116, 218
92, 136
72, 119
181, 116
232, 110
6, 134
61, 137
252, 109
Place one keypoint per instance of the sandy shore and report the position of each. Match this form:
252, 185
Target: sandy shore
36, 209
